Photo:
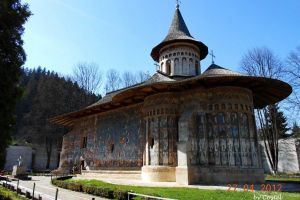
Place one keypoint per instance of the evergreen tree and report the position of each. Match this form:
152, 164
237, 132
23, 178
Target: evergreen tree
46, 95
279, 121
12, 56
296, 130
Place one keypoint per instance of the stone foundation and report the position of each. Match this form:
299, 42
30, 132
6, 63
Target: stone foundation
158, 174
218, 175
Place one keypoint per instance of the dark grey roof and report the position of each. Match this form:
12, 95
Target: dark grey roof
178, 28
216, 70
157, 77
178, 32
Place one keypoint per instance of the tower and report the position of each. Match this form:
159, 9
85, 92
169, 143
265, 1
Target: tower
179, 54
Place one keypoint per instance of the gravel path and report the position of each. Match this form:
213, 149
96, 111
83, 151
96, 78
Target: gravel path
47, 190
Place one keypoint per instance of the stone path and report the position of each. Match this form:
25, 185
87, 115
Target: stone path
47, 190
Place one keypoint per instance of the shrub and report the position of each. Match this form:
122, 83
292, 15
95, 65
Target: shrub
88, 189
121, 195
104, 192
74, 186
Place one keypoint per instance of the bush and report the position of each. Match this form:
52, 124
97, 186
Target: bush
121, 195
75, 187
90, 189
104, 192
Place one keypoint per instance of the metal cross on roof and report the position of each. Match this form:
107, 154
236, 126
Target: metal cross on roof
177, 3
212, 56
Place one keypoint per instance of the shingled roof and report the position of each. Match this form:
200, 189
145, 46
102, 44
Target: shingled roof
216, 70
178, 32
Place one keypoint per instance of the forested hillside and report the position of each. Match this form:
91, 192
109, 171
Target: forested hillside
46, 94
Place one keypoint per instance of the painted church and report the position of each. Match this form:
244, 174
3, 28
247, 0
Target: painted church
181, 125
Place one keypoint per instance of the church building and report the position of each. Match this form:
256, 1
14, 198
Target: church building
181, 125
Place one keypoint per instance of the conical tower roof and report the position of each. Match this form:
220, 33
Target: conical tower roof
178, 32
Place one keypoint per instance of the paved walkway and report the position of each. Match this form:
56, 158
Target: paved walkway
47, 190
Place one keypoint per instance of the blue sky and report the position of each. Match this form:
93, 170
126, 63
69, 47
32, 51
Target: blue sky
120, 34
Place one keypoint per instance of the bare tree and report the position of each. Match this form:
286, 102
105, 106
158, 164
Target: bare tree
262, 62
113, 80
128, 79
293, 77
88, 76
142, 76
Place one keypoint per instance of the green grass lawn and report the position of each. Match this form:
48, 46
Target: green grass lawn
9, 195
283, 177
187, 193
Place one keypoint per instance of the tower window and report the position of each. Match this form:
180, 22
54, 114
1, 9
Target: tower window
174, 54
197, 67
168, 67
176, 67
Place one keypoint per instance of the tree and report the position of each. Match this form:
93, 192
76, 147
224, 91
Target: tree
296, 130
262, 62
128, 79
13, 15
88, 76
281, 122
113, 80
142, 76
46, 95
293, 76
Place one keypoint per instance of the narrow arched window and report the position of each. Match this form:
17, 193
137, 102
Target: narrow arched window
176, 66
184, 65
191, 61
161, 66
197, 68
168, 67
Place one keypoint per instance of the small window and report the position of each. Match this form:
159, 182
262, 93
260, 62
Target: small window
84, 142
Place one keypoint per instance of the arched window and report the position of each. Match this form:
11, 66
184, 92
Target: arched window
184, 65
191, 65
197, 68
162, 66
176, 66
168, 67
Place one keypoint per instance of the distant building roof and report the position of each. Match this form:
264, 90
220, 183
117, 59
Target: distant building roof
178, 31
